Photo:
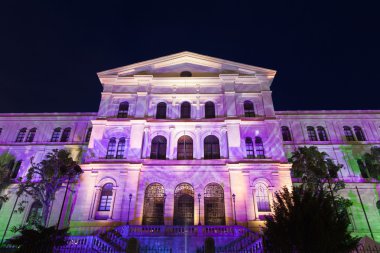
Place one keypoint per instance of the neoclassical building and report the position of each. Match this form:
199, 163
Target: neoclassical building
186, 141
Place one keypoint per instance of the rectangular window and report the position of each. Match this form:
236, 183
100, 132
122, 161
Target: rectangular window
250, 152
105, 203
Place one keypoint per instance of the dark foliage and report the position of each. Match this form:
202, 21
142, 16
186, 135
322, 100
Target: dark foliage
39, 238
306, 221
209, 245
372, 162
132, 246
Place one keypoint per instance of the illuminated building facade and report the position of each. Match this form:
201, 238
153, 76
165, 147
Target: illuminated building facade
187, 140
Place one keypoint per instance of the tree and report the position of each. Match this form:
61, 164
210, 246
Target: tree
316, 169
39, 238
5, 172
305, 220
44, 179
372, 162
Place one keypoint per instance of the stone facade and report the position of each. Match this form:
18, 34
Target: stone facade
187, 139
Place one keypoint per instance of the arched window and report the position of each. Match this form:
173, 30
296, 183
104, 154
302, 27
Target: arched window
161, 111
56, 134
249, 111
120, 148
16, 169
262, 198
88, 134
123, 110
186, 74
31, 134
105, 200
214, 205
158, 148
260, 153
286, 133
311, 133
185, 110
322, 133
209, 110
249, 148
184, 205
111, 148
10, 166
362, 168
35, 213
348, 133
185, 148
21, 135
154, 203
359, 133
65, 134
211, 147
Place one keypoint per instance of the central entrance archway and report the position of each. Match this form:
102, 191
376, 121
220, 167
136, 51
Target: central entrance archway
154, 202
214, 205
184, 204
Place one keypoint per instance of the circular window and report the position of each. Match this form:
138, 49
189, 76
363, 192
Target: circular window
186, 74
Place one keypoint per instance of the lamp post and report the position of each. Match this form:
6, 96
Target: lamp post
233, 200
199, 209
129, 207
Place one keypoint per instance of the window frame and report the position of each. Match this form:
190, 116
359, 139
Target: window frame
185, 110
311, 133
210, 112
123, 110
56, 135
106, 198
111, 148
349, 135
359, 133
249, 148
286, 135
187, 152
21, 135
249, 109
161, 110
158, 148
322, 134
211, 147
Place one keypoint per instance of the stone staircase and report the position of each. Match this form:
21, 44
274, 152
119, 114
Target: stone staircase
167, 239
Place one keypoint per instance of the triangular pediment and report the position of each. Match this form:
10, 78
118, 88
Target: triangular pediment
197, 64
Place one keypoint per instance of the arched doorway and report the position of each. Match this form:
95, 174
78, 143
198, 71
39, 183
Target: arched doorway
214, 205
184, 204
154, 202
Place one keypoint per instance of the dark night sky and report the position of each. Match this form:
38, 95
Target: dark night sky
326, 54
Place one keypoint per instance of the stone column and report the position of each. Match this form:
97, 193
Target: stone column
229, 93
174, 108
224, 142
171, 143
146, 142
198, 151
198, 110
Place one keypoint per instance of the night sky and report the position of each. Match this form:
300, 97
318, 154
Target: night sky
326, 54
